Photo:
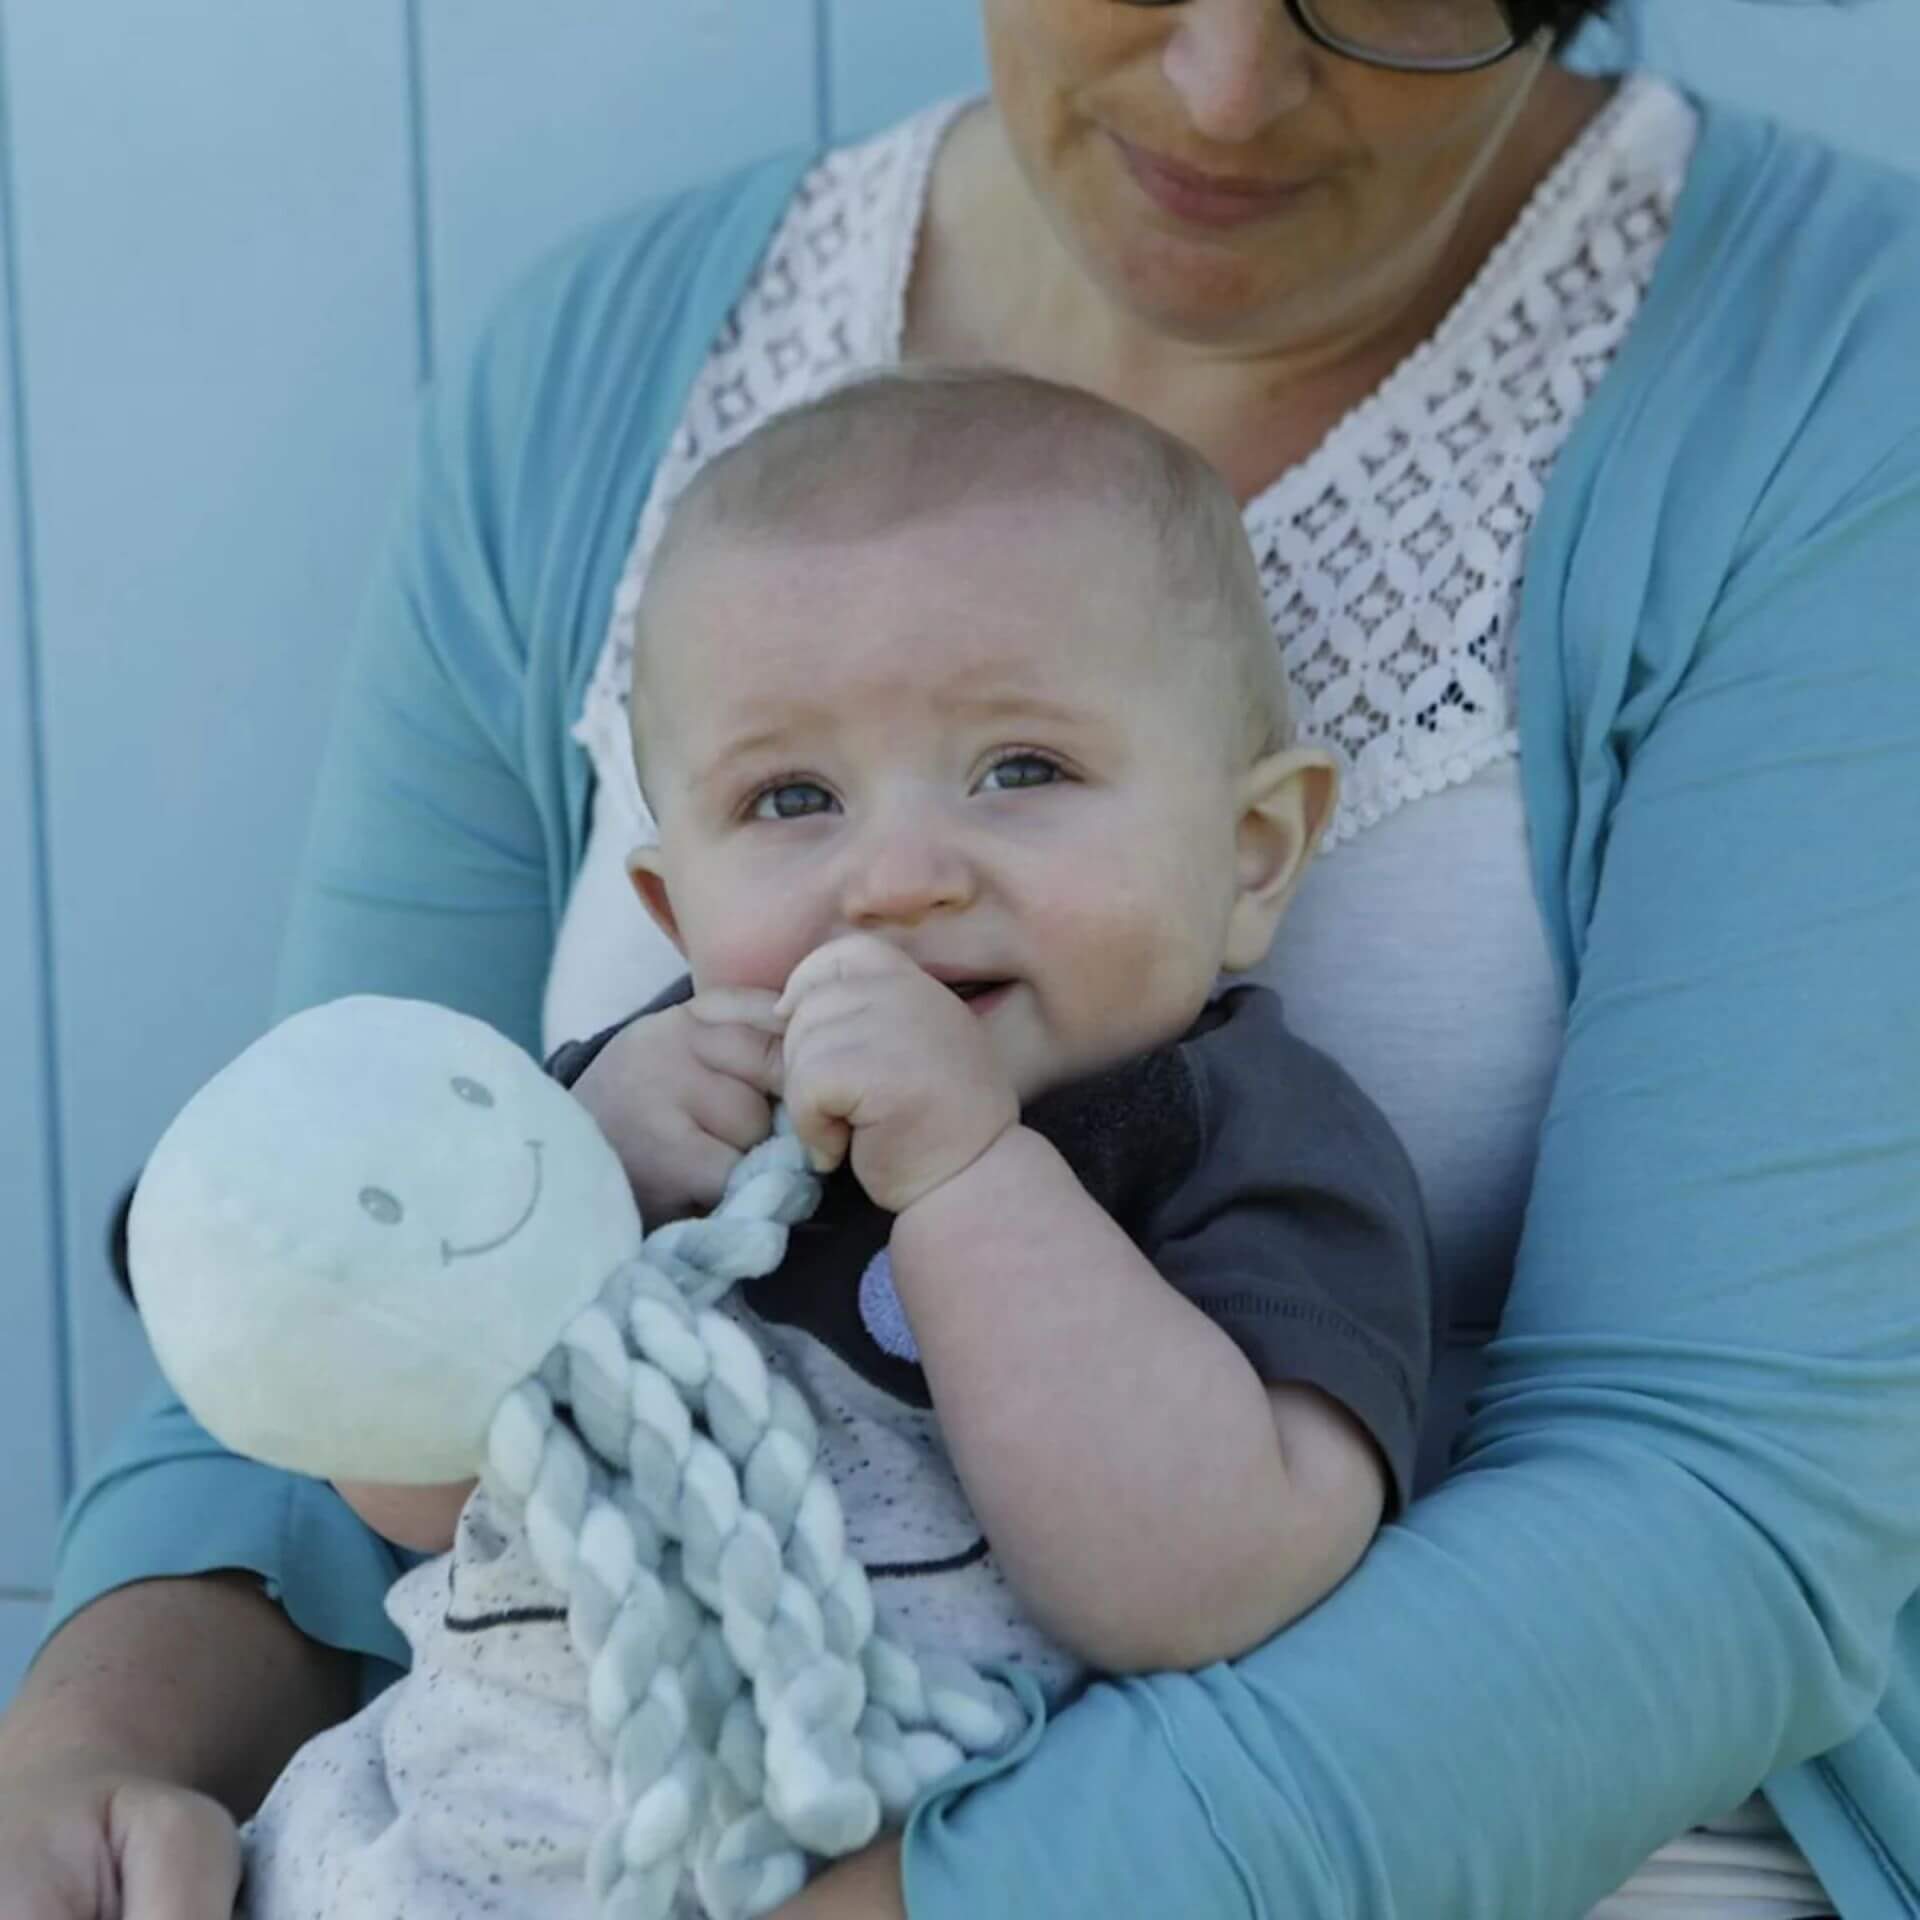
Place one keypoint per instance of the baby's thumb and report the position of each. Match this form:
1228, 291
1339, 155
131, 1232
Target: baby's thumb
178, 1853
825, 1138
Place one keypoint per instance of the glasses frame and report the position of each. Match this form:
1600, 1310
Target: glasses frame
1303, 18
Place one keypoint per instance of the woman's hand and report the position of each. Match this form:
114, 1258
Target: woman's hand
151, 1686
82, 1839
683, 1094
864, 1886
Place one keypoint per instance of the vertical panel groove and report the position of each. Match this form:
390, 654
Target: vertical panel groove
418, 164
39, 877
822, 73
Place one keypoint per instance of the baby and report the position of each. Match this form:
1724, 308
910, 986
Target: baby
957, 707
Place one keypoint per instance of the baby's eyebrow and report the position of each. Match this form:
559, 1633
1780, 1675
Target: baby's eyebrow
714, 769
1011, 704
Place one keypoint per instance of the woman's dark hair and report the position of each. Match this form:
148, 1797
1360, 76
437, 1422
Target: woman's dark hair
1563, 18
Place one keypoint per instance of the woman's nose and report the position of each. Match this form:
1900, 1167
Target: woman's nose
1237, 65
902, 873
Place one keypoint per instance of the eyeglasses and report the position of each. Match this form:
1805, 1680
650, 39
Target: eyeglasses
1411, 36
1414, 36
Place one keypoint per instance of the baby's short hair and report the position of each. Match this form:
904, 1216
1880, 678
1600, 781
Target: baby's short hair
888, 449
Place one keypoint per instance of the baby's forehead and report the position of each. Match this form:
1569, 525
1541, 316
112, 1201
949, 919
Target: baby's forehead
932, 609
1070, 601
1052, 567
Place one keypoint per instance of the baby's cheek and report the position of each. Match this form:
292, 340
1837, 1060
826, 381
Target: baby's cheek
753, 952
1144, 968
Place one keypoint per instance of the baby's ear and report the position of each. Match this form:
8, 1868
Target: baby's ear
1286, 801
645, 874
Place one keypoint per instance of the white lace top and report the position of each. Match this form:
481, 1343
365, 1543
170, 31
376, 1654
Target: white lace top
1393, 560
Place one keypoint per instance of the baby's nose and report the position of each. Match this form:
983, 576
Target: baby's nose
902, 875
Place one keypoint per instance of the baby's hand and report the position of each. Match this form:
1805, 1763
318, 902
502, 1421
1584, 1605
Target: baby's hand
682, 1094
887, 1065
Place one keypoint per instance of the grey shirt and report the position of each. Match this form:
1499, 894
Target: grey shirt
1245, 1165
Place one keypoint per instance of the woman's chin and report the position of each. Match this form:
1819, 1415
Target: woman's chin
1198, 287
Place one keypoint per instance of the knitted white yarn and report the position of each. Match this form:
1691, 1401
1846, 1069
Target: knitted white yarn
750, 1713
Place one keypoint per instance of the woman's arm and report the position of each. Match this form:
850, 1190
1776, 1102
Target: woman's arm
168, 1504
148, 1725
1153, 1503
1685, 1524
200, 1681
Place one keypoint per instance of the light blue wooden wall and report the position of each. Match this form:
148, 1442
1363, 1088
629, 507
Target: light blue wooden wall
33, 1412
234, 236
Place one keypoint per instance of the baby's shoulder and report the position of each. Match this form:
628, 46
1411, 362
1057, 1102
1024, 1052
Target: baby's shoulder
1269, 1100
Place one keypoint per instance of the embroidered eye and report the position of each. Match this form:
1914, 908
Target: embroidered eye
378, 1204
472, 1092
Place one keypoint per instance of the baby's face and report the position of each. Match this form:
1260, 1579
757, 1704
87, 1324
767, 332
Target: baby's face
973, 738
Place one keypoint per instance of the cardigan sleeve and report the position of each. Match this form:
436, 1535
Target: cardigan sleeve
444, 839
312, 1553
1684, 1525
449, 817
426, 866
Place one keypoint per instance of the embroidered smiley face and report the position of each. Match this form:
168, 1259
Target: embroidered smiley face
388, 1210
359, 1236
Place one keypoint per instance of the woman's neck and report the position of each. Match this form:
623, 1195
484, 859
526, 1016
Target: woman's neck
993, 283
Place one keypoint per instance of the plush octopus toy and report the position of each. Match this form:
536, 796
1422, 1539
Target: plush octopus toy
382, 1245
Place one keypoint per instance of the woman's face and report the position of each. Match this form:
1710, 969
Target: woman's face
1226, 181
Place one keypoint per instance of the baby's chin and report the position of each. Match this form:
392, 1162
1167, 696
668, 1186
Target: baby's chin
1032, 1079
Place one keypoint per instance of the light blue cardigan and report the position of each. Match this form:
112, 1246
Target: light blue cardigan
1681, 1549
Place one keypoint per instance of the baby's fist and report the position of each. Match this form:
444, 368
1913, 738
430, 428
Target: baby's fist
886, 1067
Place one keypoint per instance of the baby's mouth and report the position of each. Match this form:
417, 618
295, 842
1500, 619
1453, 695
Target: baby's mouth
979, 992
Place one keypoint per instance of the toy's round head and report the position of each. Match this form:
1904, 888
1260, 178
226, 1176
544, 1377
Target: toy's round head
357, 1237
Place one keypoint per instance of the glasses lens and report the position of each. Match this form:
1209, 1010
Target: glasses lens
1416, 33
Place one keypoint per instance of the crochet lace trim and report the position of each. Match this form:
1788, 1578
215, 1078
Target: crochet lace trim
1392, 557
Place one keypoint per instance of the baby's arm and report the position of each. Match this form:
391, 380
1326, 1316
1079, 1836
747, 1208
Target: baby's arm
1152, 1501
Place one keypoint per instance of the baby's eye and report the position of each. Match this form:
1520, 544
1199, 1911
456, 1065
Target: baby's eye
472, 1092
380, 1205
790, 800
1021, 770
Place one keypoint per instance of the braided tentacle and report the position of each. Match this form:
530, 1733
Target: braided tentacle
636, 1630
734, 1677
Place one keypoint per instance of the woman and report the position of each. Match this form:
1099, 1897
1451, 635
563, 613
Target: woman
1578, 431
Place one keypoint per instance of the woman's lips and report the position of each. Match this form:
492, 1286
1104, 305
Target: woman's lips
1205, 200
